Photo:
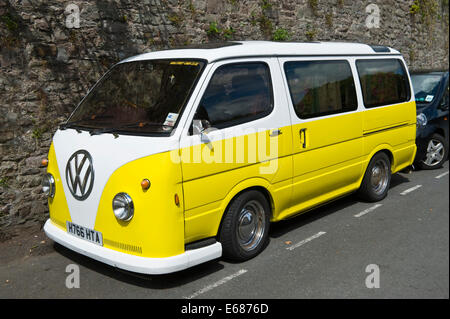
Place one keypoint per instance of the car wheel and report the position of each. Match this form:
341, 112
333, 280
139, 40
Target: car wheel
245, 226
376, 181
436, 154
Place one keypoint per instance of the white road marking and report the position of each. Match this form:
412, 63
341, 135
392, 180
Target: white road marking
368, 210
216, 284
442, 175
409, 190
304, 241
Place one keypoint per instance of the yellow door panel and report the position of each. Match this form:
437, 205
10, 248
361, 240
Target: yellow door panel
228, 162
330, 158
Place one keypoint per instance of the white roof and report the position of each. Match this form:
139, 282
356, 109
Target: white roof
266, 48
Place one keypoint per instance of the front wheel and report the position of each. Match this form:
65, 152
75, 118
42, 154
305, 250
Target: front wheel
245, 227
437, 151
376, 181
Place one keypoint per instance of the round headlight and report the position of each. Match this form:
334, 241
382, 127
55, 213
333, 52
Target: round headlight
48, 185
421, 119
123, 207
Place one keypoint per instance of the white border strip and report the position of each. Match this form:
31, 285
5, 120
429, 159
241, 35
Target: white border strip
368, 210
409, 190
304, 241
442, 175
216, 284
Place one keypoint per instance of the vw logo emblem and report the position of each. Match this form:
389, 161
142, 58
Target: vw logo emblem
80, 174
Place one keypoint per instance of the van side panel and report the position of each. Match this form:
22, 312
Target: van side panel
394, 125
329, 163
204, 207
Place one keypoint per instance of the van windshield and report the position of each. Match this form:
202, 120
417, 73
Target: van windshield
425, 87
141, 97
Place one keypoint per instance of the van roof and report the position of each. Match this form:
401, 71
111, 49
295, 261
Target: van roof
237, 49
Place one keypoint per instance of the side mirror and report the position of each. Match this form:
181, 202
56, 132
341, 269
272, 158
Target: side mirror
200, 126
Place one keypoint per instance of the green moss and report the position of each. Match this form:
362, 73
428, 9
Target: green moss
9, 21
191, 8
265, 4
265, 25
310, 33
329, 19
414, 9
228, 33
314, 5
280, 34
213, 29
175, 19
4, 182
37, 133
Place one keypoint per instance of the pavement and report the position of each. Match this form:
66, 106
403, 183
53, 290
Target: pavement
396, 248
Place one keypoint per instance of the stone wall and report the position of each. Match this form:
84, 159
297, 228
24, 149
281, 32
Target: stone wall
49, 58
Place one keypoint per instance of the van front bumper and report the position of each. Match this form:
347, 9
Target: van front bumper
133, 263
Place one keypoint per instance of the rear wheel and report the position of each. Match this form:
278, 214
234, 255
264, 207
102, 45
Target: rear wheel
376, 181
437, 151
245, 227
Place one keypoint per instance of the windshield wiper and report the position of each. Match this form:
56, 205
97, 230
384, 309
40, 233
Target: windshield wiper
91, 118
132, 125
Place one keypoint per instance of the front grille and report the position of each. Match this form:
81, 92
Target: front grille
123, 246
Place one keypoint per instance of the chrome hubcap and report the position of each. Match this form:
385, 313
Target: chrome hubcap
435, 153
379, 176
251, 225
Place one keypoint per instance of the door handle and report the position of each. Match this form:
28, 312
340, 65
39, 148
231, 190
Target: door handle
303, 137
274, 133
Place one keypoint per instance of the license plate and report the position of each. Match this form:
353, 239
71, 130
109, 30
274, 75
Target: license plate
85, 233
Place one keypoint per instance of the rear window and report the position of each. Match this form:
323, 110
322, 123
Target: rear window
383, 82
320, 88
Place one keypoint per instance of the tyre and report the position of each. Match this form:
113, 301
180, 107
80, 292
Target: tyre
436, 154
377, 179
245, 226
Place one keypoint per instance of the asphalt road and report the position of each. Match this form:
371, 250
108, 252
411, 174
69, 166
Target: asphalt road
330, 252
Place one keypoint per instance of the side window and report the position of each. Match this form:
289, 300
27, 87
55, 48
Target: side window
321, 88
383, 82
237, 93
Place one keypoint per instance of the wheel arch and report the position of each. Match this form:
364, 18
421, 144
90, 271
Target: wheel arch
385, 148
259, 184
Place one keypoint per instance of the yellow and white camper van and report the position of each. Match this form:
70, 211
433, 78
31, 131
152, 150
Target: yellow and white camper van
181, 156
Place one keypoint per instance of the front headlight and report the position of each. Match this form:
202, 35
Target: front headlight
48, 185
123, 207
421, 119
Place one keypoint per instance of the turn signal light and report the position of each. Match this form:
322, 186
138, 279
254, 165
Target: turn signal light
44, 162
145, 184
177, 200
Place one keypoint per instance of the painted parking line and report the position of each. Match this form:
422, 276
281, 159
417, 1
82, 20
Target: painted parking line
217, 284
442, 175
304, 241
409, 190
368, 210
